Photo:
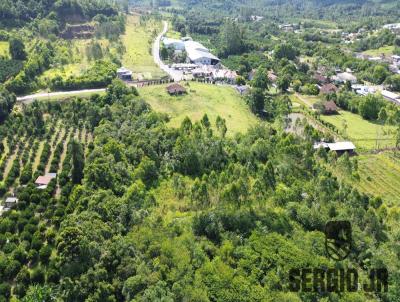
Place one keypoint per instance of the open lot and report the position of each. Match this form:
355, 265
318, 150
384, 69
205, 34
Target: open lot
137, 41
365, 134
202, 98
385, 50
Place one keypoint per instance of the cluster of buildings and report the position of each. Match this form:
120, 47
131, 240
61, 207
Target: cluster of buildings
394, 27
200, 62
393, 61
196, 52
41, 183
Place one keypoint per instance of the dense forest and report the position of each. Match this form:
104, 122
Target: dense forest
18, 12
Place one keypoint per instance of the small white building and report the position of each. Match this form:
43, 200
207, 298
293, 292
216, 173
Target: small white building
344, 77
338, 147
10, 202
363, 89
124, 74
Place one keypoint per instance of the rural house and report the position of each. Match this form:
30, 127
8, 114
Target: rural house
328, 88
43, 181
176, 89
10, 202
124, 74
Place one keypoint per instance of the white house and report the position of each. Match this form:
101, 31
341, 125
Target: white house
124, 74
338, 147
345, 77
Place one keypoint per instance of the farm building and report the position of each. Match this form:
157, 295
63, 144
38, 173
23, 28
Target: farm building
339, 147
330, 107
176, 89
124, 74
10, 202
198, 54
43, 181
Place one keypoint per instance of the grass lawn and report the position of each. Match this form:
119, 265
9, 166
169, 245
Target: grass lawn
362, 132
202, 98
138, 41
4, 48
306, 100
380, 176
386, 50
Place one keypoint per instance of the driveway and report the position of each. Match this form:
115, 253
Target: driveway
177, 75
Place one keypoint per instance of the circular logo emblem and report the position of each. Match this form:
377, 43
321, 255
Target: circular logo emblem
338, 239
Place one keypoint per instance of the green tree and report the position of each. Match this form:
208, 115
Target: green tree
255, 99
78, 161
260, 79
285, 50
17, 49
7, 101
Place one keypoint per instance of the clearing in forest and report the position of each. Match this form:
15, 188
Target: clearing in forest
4, 46
202, 98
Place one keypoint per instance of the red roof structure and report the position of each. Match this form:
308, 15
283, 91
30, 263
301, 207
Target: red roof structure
328, 88
45, 179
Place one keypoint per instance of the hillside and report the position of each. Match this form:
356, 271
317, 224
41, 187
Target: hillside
202, 99
269, 171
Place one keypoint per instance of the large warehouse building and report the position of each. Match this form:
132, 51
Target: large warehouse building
196, 52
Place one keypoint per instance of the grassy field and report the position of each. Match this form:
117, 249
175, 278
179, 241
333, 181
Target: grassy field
365, 134
138, 41
4, 48
386, 50
202, 98
380, 176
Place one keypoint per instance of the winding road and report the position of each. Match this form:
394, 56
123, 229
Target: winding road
177, 75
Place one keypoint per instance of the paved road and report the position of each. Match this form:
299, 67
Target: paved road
30, 98
177, 75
